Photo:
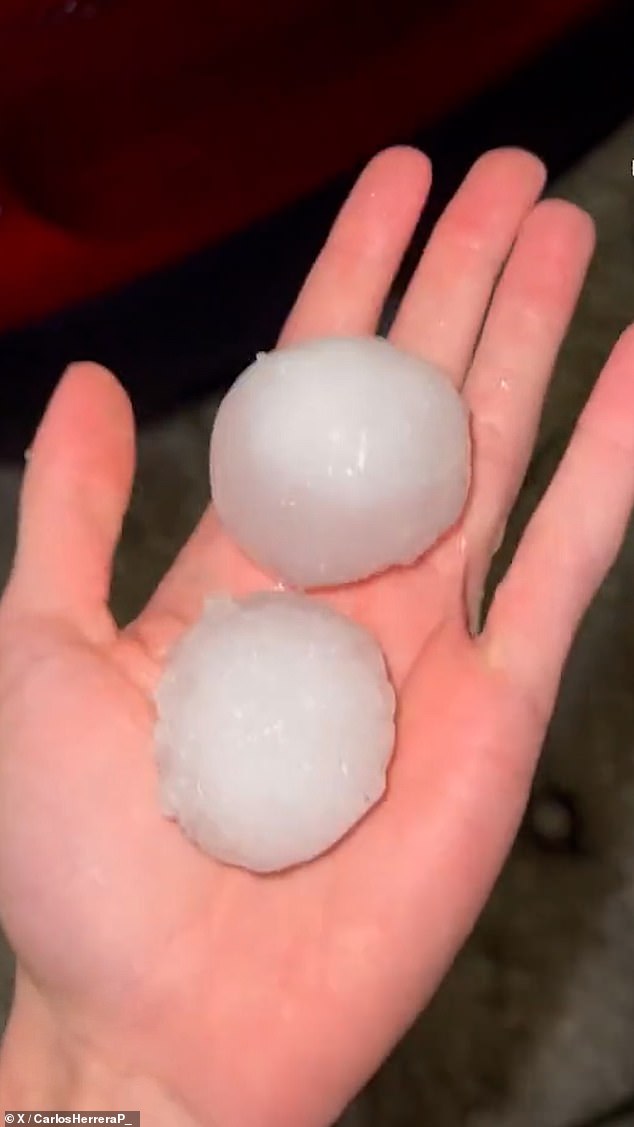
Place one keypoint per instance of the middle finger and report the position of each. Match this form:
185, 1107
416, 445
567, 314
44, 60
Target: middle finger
443, 308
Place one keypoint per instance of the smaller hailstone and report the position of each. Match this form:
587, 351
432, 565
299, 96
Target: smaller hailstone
275, 729
338, 458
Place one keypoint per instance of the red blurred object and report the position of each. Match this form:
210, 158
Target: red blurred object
135, 131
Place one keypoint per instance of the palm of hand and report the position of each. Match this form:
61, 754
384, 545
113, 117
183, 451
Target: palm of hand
185, 969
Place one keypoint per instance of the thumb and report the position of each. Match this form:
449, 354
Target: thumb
75, 492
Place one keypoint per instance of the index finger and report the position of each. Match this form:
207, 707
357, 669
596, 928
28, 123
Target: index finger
344, 292
343, 295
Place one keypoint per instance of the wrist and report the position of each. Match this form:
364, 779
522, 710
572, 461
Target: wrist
43, 1067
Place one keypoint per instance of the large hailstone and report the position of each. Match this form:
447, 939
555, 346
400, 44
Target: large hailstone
336, 459
275, 729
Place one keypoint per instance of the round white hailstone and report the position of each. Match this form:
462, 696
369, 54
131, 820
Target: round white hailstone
339, 458
275, 729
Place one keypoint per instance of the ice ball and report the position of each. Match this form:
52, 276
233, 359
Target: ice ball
275, 729
339, 458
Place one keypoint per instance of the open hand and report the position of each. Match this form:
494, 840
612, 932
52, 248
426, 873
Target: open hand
233, 1000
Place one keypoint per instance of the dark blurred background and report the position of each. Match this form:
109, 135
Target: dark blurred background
167, 175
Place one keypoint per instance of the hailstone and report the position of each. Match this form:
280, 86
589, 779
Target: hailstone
275, 729
338, 458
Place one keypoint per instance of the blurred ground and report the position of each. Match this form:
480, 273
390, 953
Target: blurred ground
534, 1027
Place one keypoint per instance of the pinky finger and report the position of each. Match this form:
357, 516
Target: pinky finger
571, 541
